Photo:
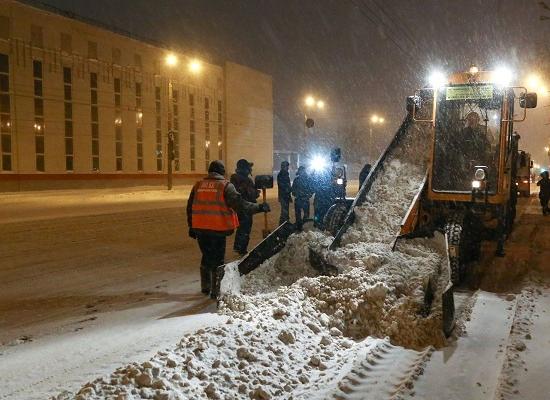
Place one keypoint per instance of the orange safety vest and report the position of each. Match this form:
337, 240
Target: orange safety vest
209, 210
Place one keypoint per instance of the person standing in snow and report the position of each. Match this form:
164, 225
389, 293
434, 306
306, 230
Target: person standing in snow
301, 189
284, 190
544, 193
211, 217
244, 184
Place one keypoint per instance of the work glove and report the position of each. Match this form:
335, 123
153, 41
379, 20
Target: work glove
192, 234
264, 207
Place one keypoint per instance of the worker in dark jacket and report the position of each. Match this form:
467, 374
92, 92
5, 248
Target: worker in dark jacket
284, 190
301, 190
544, 193
324, 196
211, 218
363, 174
244, 184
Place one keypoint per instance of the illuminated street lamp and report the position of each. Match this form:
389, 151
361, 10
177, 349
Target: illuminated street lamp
195, 66
171, 60
375, 120
311, 103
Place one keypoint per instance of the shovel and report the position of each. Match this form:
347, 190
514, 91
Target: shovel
266, 231
264, 182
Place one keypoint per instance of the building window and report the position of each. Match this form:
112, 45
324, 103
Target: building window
158, 128
220, 131
92, 50
4, 27
69, 150
192, 132
139, 128
206, 132
118, 125
117, 55
95, 121
38, 116
137, 60
5, 114
37, 36
66, 43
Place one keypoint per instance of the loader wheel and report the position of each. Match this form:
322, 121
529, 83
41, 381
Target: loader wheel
456, 239
335, 217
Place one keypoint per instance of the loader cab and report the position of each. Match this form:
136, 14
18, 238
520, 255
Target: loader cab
471, 121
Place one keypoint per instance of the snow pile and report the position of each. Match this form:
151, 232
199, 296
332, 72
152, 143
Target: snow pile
288, 326
291, 264
282, 347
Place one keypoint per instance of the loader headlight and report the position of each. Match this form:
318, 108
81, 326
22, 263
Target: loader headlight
318, 163
479, 174
476, 184
339, 181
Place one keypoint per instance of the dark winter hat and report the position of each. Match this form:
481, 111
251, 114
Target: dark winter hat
284, 164
244, 164
217, 166
301, 170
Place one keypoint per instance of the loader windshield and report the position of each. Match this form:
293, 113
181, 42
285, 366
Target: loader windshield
467, 134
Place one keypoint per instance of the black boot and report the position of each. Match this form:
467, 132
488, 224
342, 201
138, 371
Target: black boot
214, 284
205, 280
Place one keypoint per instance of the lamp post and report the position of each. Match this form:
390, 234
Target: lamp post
311, 103
374, 120
171, 61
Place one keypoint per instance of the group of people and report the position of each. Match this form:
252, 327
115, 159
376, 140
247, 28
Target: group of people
218, 207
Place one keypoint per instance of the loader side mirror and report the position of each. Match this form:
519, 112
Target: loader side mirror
528, 100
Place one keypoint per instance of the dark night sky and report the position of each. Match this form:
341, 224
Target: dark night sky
361, 56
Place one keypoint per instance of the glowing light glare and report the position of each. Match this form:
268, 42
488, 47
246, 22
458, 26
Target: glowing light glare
437, 79
533, 82
340, 181
502, 76
321, 104
381, 120
195, 66
374, 119
171, 60
309, 101
476, 184
318, 163
547, 149
537, 166
542, 91
474, 70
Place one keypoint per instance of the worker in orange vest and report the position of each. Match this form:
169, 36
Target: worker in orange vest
211, 216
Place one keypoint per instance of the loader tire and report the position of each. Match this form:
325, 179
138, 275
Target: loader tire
335, 217
454, 228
